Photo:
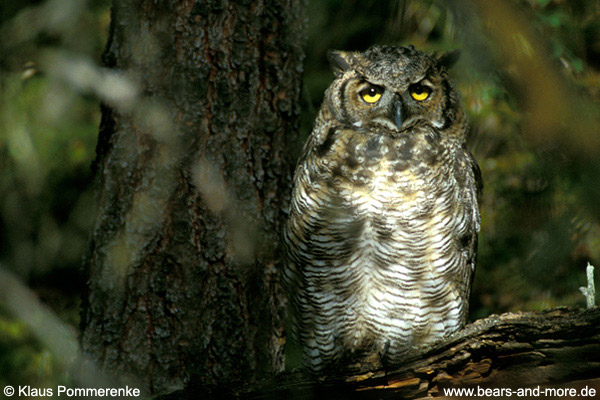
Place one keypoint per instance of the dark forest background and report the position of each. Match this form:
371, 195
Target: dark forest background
529, 75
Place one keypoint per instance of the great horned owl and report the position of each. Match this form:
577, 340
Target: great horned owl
382, 233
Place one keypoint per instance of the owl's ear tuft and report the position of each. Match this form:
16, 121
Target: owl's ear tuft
447, 59
340, 61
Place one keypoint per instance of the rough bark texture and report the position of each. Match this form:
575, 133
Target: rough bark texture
192, 178
555, 347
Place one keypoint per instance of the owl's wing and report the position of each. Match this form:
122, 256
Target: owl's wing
478, 186
475, 200
310, 241
297, 254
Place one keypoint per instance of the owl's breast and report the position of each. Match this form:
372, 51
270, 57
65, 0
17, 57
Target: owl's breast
370, 161
402, 190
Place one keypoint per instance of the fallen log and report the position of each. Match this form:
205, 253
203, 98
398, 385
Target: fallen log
557, 348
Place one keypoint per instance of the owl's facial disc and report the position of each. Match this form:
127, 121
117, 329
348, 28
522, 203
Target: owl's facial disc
391, 114
395, 114
420, 104
374, 102
396, 110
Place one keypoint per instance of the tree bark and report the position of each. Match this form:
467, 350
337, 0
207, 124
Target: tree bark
555, 347
192, 178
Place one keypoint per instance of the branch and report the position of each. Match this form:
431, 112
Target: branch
510, 350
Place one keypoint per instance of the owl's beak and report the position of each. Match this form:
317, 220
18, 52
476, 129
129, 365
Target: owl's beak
398, 115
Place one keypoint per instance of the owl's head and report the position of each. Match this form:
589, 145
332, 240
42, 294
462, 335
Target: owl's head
393, 87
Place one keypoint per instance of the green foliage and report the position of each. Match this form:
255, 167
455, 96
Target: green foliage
47, 143
48, 136
23, 359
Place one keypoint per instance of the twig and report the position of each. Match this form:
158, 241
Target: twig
590, 291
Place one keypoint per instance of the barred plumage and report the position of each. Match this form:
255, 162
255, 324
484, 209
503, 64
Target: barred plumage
382, 233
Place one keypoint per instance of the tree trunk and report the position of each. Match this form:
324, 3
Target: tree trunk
192, 178
557, 348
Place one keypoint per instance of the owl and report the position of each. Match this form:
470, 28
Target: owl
382, 231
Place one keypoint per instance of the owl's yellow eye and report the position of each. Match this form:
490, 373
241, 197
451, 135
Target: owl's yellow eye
419, 92
419, 96
371, 98
372, 94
